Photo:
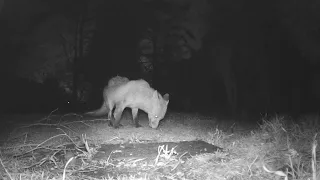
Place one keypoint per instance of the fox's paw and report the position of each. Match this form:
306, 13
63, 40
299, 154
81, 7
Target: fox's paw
116, 126
137, 125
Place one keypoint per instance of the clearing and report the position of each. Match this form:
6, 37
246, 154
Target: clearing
185, 146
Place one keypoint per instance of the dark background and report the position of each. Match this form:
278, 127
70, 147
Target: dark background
268, 50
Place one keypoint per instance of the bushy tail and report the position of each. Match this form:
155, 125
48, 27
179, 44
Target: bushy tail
99, 112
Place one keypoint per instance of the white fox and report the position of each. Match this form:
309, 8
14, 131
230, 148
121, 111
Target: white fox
136, 94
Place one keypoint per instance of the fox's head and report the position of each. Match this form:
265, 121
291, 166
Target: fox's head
159, 108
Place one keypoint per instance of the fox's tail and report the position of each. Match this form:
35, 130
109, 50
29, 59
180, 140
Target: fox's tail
99, 112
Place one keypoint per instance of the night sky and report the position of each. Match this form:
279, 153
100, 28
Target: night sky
234, 58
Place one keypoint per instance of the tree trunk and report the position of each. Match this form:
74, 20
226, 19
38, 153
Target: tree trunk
1, 4
223, 65
78, 47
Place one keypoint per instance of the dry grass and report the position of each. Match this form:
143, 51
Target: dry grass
63, 147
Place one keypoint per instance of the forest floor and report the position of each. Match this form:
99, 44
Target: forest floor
184, 146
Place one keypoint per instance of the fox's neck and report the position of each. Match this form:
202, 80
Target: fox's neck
148, 104
147, 107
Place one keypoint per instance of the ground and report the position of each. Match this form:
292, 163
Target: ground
185, 146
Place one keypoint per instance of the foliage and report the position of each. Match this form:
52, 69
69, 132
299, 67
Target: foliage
182, 28
49, 51
182, 25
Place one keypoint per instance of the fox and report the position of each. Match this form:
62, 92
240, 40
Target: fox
135, 94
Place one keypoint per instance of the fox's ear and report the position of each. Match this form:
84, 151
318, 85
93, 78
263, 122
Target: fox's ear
155, 94
166, 97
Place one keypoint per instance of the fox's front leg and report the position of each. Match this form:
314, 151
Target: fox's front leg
117, 116
134, 117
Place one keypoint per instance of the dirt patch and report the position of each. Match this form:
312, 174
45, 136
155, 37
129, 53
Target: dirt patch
145, 153
149, 151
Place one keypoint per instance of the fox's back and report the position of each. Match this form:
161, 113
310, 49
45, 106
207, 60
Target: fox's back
117, 81
134, 90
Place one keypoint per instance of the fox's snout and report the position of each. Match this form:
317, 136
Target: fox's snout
154, 124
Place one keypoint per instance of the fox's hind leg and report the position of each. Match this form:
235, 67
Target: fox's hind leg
117, 116
110, 106
110, 115
135, 120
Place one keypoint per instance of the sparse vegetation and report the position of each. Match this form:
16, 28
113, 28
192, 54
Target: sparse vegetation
64, 147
